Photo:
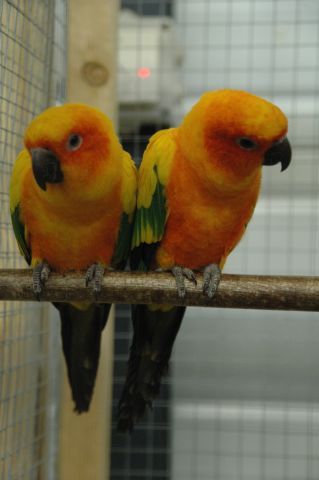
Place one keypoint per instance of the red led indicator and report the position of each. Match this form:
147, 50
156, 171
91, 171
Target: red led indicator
144, 72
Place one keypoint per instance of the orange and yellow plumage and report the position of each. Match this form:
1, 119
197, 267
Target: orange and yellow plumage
197, 189
80, 219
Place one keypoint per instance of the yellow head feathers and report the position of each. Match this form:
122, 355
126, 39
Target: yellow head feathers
219, 124
85, 145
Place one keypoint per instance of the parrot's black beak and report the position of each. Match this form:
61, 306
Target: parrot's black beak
280, 152
46, 167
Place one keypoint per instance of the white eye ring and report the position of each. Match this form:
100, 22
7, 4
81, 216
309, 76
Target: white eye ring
74, 142
246, 143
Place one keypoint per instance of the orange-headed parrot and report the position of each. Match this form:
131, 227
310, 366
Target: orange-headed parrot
197, 189
72, 202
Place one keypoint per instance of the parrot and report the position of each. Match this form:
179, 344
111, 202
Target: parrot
198, 185
72, 203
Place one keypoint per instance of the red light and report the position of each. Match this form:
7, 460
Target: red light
144, 72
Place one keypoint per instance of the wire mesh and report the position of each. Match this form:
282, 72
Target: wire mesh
242, 397
32, 69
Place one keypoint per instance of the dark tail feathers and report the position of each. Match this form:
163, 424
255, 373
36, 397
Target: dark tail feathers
154, 335
81, 339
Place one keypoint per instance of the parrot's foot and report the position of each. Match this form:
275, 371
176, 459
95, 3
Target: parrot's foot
180, 273
94, 277
212, 274
41, 273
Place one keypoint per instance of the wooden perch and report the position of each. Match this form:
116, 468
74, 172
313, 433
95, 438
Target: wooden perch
235, 291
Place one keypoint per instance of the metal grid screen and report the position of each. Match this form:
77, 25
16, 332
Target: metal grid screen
32, 68
242, 397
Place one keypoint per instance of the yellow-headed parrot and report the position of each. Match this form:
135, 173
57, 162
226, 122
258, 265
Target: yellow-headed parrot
197, 189
72, 202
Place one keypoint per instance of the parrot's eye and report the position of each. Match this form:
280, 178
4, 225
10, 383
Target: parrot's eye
246, 143
74, 142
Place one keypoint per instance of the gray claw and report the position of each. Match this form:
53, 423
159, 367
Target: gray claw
90, 274
190, 275
212, 274
180, 273
41, 273
94, 275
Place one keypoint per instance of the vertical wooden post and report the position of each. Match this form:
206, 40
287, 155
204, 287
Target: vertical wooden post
85, 439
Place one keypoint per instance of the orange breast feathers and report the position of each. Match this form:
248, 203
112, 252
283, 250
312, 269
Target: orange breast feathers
204, 224
70, 236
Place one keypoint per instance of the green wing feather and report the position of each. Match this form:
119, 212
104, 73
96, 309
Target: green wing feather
123, 244
128, 196
150, 222
19, 232
149, 227
21, 167
152, 210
